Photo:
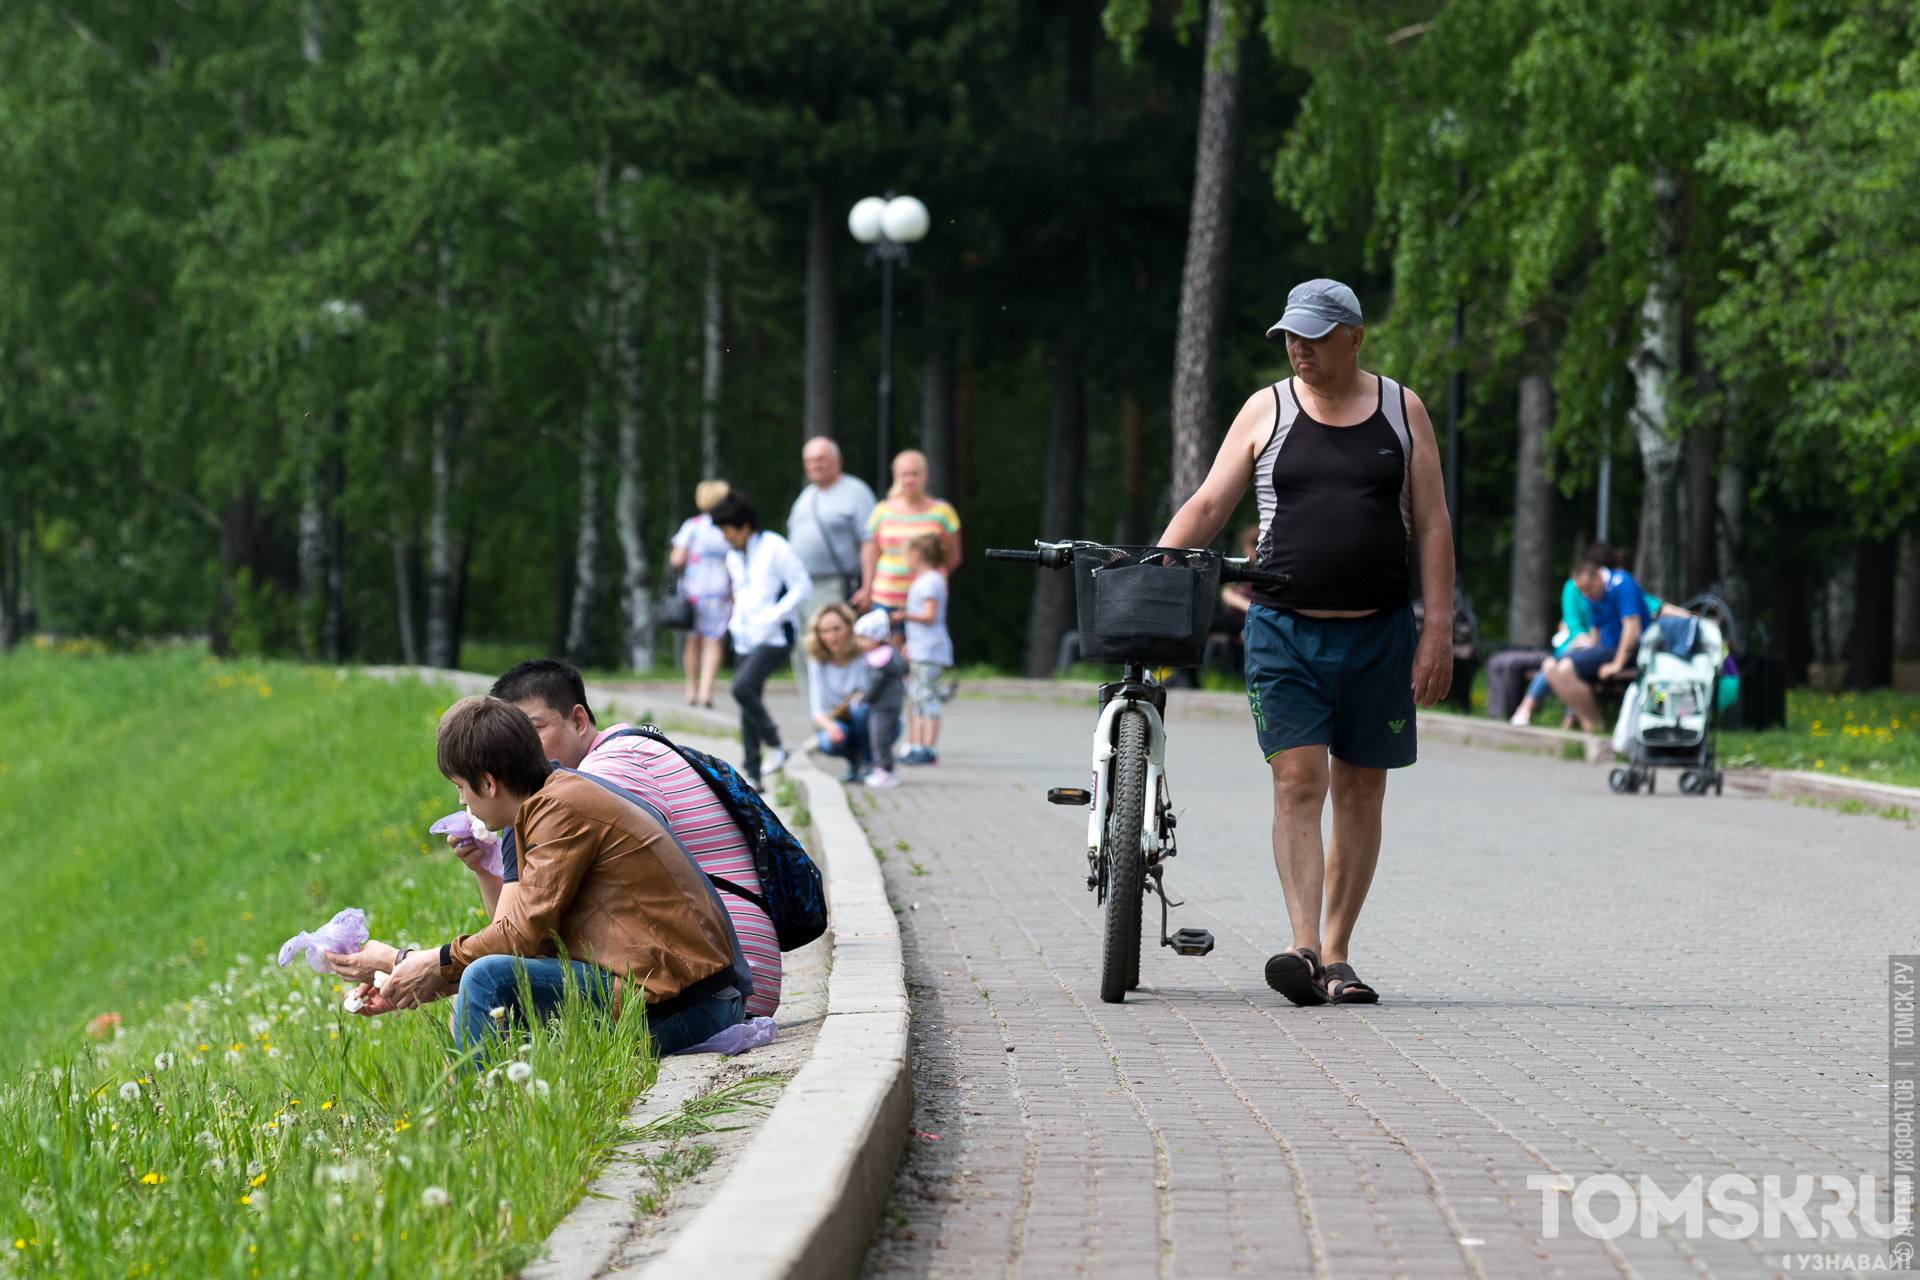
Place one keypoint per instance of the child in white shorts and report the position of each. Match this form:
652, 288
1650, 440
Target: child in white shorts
929, 647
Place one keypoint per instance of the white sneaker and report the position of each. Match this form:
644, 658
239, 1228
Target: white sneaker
775, 760
877, 777
1523, 717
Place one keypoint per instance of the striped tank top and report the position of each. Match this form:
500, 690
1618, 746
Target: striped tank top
1336, 506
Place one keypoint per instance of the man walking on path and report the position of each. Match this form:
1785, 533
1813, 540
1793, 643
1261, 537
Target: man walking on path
1347, 477
826, 526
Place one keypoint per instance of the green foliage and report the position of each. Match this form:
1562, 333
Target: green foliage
1819, 313
173, 820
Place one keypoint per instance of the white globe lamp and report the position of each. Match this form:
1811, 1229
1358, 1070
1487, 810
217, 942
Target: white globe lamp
867, 219
905, 220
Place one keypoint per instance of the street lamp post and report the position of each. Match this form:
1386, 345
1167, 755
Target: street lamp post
887, 226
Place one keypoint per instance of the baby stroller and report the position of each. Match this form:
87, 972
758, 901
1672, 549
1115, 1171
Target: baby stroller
1670, 716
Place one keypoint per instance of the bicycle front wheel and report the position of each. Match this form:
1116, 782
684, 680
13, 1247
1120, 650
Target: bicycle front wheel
1126, 867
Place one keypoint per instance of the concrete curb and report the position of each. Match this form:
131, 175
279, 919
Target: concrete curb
803, 1202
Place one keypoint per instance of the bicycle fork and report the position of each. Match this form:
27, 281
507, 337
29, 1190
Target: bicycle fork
1157, 819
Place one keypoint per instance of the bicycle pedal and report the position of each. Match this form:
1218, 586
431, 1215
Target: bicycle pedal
1069, 795
1192, 942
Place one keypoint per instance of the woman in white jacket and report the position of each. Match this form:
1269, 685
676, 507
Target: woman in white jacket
769, 586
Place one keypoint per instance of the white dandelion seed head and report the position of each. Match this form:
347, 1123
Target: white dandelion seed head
233, 1056
255, 1168
519, 1072
163, 1062
273, 1053
257, 1027
129, 1092
435, 1198
242, 959
538, 1088
206, 1139
527, 1047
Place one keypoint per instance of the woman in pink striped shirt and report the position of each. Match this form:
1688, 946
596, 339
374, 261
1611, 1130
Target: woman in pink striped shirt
652, 771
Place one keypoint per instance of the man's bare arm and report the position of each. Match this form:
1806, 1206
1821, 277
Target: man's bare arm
1628, 651
1201, 517
1433, 543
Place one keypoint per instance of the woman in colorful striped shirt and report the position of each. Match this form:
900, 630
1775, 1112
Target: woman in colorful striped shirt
907, 512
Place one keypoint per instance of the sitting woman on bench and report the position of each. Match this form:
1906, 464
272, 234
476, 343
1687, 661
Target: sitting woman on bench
1620, 614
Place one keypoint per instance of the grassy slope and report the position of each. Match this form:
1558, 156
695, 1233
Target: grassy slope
165, 813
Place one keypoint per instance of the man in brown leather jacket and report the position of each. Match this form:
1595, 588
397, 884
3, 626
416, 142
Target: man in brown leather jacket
600, 876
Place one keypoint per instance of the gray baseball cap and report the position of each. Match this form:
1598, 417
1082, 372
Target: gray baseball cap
1314, 308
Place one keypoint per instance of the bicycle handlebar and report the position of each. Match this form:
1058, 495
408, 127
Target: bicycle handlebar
1049, 556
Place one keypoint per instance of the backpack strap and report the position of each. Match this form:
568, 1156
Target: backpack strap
653, 733
742, 971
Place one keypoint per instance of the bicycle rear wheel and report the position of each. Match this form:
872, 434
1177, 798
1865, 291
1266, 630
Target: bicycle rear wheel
1126, 868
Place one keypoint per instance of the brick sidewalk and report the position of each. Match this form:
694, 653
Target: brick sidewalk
1575, 983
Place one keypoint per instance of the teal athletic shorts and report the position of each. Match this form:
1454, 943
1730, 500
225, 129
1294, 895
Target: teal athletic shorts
1343, 683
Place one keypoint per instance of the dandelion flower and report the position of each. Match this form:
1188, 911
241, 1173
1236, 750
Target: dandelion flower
527, 1047
272, 1052
435, 1198
519, 1072
153, 1179
257, 1027
233, 1056
498, 1012
206, 1139
163, 1062
129, 1092
538, 1088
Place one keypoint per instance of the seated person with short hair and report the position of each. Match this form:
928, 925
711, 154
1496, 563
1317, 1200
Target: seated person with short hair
554, 697
1620, 614
599, 876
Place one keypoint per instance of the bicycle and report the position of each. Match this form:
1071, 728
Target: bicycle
1141, 607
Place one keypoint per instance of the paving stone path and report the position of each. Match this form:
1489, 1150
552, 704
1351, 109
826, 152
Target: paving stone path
1574, 983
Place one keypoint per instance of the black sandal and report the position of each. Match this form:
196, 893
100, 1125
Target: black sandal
1346, 987
1297, 975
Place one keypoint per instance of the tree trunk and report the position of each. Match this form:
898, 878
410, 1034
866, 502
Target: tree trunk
1203, 282
442, 645
1906, 597
403, 589
1529, 598
1730, 557
1060, 513
627, 284
1654, 365
713, 332
1870, 662
822, 239
936, 398
586, 544
312, 555
1703, 507
1133, 470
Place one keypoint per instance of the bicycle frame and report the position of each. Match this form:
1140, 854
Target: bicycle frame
1156, 838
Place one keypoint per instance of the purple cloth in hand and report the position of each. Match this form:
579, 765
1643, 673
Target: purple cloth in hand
739, 1038
464, 825
346, 932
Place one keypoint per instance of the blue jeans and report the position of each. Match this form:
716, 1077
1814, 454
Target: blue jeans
853, 747
494, 981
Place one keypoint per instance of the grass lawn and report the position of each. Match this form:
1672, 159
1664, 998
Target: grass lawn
1871, 736
171, 821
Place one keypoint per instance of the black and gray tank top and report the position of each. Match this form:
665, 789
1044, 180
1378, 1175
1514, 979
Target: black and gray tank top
1336, 506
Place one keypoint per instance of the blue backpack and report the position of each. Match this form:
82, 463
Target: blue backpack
791, 892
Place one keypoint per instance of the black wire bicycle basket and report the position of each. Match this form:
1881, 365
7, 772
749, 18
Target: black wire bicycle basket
1152, 605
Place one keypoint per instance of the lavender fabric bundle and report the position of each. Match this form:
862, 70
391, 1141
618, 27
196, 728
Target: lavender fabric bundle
465, 825
346, 932
739, 1038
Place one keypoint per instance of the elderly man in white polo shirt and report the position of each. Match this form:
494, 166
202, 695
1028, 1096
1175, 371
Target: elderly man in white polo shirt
826, 526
